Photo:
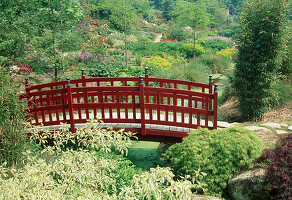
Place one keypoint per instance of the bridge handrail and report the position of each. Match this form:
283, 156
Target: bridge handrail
65, 99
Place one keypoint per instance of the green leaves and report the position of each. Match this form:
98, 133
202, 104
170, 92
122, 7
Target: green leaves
262, 29
217, 155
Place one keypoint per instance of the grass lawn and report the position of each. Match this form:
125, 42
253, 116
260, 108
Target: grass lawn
144, 154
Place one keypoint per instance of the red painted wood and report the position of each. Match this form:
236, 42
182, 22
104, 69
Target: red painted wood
70, 108
114, 103
215, 110
142, 109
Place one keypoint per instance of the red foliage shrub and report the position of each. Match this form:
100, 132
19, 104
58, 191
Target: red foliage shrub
169, 40
279, 170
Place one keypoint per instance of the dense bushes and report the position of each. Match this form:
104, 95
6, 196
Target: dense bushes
192, 71
188, 50
12, 140
157, 63
215, 63
109, 69
86, 165
262, 29
279, 170
218, 153
156, 49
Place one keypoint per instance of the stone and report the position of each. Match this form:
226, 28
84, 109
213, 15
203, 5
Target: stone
203, 197
224, 124
271, 125
257, 128
248, 185
290, 128
279, 132
285, 125
235, 123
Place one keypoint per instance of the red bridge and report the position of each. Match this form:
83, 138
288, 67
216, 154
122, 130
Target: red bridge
157, 109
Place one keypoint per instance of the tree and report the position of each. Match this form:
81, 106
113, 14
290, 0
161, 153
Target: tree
191, 14
260, 42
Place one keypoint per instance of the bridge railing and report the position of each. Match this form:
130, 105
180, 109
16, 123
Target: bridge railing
130, 100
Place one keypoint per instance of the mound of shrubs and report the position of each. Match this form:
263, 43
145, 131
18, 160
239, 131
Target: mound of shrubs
88, 164
219, 154
279, 170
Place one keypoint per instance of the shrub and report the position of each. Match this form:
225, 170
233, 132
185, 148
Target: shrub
215, 63
12, 139
193, 71
281, 93
229, 32
262, 29
188, 50
156, 49
216, 45
108, 69
279, 170
175, 32
226, 53
218, 153
90, 170
159, 63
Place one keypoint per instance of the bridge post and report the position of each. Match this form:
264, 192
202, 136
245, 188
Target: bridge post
210, 92
146, 77
215, 106
142, 106
70, 106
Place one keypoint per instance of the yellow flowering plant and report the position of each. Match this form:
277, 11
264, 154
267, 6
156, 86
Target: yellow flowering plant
159, 63
227, 53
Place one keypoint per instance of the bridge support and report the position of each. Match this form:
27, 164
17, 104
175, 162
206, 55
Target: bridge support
142, 106
70, 106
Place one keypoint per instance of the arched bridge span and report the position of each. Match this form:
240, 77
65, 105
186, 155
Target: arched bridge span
156, 109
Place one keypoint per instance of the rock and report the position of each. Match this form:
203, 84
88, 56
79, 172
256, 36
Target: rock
224, 124
248, 186
257, 128
281, 132
290, 128
285, 125
204, 197
271, 125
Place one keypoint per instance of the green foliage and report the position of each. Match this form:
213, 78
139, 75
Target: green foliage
108, 69
192, 71
191, 14
12, 138
187, 50
161, 64
174, 31
216, 45
156, 49
228, 32
216, 64
21, 21
263, 24
281, 93
89, 170
286, 64
218, 153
